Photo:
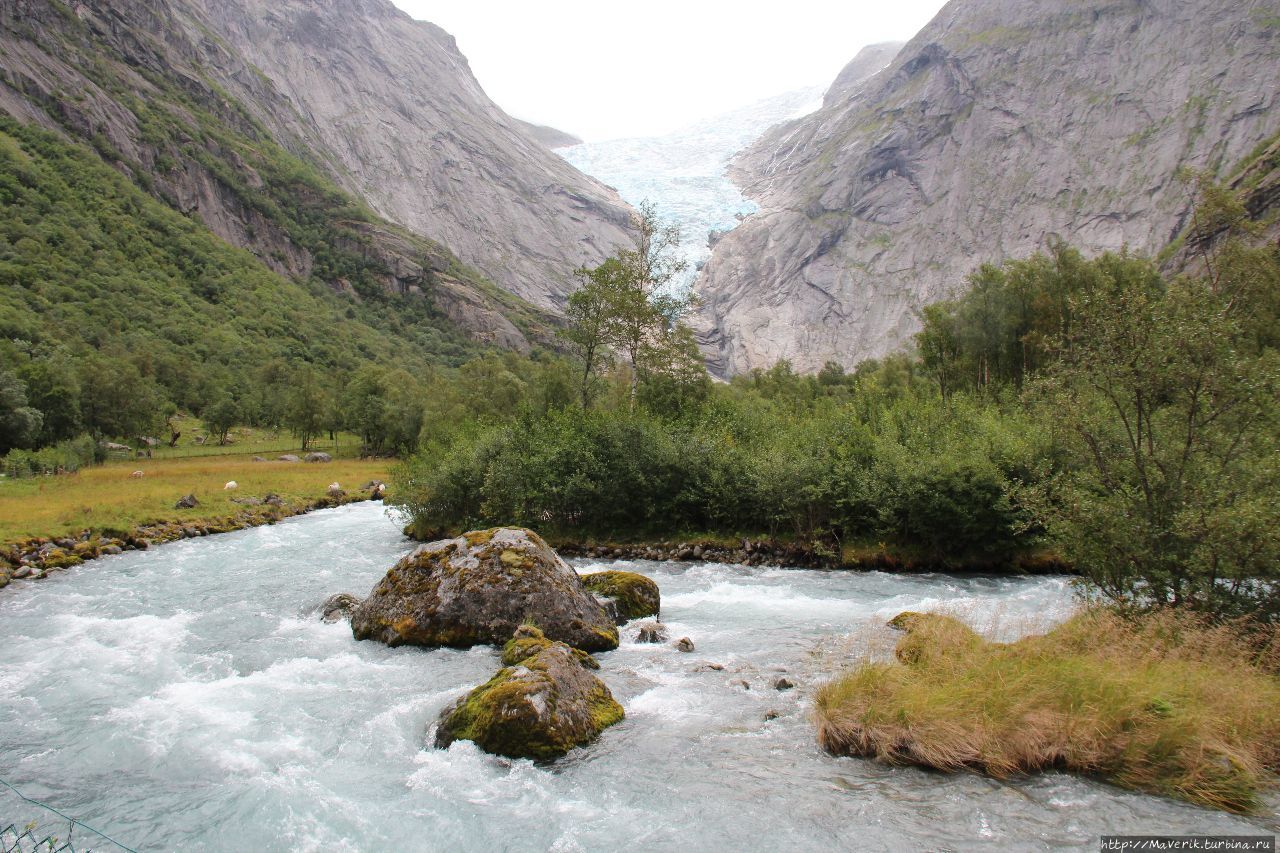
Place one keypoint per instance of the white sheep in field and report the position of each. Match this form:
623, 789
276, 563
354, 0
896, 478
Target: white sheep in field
231, 484
137, 475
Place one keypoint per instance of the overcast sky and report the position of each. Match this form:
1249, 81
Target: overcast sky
604, 70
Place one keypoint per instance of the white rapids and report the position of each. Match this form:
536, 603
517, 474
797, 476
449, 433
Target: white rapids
181, 698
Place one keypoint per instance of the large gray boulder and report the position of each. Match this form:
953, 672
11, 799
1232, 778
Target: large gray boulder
540, 706
478, 588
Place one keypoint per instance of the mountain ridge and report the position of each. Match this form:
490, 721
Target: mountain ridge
998, 127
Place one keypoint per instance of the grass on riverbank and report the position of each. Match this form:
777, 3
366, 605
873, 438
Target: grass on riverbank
108, 498
1166, 704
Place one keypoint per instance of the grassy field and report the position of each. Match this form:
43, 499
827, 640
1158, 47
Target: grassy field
1166, 703
245, 441
107, 497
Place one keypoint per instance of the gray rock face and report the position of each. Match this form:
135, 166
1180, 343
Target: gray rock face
392, 105
548, 136
479, 588
1001, 125
869, 61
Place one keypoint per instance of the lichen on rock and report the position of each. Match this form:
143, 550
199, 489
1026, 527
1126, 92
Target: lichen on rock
478, 588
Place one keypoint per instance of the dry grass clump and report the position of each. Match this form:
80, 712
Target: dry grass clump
1166, 703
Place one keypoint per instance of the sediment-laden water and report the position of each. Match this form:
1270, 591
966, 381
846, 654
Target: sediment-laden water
179, 698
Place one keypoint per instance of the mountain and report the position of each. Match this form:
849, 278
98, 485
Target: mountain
861, 68
548, 136
159, 95
1001, 125
392, 107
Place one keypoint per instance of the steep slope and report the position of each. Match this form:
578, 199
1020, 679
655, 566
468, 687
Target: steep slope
548, 136
870, 60
91, 264
158, 95
1002, 124
393, 106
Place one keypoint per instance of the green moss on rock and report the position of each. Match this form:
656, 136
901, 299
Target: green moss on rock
540, 707
529, 641
634, 596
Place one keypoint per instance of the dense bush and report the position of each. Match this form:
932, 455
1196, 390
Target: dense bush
64, 457
929, 474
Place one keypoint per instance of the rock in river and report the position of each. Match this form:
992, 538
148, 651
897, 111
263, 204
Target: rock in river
626, 595
338, 607
541, 706
479, 588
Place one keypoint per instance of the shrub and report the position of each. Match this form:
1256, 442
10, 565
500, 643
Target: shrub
63, 458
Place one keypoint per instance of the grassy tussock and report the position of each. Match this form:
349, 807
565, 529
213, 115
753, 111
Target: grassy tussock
1167, 704
108, 498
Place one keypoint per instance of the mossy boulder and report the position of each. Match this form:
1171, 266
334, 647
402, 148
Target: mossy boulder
541, 707
477, 589
626, 595
528, 641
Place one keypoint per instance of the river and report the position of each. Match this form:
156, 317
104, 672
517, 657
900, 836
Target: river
182, 698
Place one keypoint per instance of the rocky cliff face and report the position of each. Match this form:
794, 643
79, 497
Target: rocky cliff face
392, 106
169, 102
1002, 124
870, 60
548, 136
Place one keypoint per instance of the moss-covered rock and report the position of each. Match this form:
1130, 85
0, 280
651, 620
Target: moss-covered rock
479, 588
60, 559
528, 641
541, 707
627, 594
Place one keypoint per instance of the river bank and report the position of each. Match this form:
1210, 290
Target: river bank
767, 551
54, 523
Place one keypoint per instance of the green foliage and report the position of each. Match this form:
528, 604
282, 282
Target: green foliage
19, 423
115, 308
929, 473
1168, 414
62, 458
1004, 327
627, 304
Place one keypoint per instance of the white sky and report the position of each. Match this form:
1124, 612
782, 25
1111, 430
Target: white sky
604, 70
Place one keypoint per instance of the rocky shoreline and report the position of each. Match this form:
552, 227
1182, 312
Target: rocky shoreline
37, 557
768, 552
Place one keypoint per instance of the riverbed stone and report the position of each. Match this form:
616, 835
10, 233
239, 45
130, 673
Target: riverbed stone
540, 708
477, 589
651, 632
684, 644
337, 607
626, 595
